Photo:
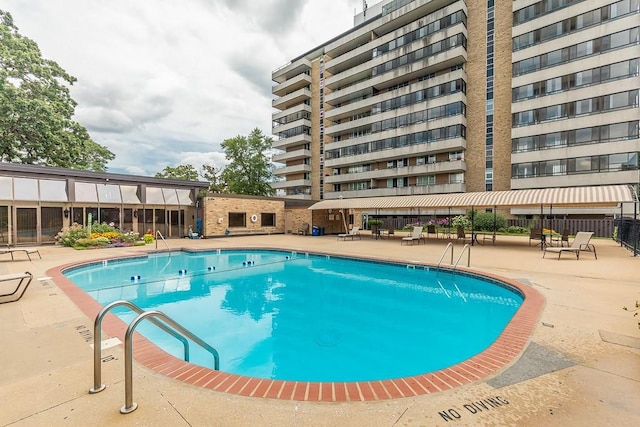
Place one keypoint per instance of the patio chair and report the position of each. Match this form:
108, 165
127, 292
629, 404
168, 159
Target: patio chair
22, 278
353, 233
580, 244
303, 229
27, 251
535, 234
415, 235
563, 238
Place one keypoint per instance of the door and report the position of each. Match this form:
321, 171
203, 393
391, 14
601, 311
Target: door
26, 225
174, 224
51, 219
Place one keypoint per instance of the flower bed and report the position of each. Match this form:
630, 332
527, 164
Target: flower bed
101, 236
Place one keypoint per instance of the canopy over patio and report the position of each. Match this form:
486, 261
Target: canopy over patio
595, 196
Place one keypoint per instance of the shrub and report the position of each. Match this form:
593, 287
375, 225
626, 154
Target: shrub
72, 235
103, 228
517, 230
484, 222
148, 238
85, 243
130, 237
460, 221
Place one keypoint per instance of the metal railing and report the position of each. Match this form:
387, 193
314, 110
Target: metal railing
449, 246
158, 233
130, 405
166, 324
465, 248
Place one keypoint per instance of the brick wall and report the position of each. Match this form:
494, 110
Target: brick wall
217, 209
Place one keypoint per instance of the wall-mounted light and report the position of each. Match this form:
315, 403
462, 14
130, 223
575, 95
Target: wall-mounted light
135, 213
66, 212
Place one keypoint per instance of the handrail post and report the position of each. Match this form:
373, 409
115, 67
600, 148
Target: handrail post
449, 246
129, 404
97, 340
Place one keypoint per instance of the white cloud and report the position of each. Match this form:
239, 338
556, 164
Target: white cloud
162, 83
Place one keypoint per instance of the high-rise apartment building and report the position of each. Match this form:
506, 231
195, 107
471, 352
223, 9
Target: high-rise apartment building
442, 96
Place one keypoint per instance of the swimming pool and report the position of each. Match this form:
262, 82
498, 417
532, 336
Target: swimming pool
306, 317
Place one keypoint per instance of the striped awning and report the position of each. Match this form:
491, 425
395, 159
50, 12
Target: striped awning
597, 196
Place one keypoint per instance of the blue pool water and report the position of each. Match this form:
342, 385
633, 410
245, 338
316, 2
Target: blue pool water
288, 316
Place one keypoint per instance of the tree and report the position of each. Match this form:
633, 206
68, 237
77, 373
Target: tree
36, 109
250, 171
216, 182
184, 172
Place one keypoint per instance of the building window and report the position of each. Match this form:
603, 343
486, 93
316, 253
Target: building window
237, 219
268, 219
456, 178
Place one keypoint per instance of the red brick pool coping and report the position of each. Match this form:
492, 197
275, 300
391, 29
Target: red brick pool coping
504, 351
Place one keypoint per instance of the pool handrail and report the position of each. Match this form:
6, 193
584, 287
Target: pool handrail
467, 248
449, 246
97, 340
159, 234
130, 405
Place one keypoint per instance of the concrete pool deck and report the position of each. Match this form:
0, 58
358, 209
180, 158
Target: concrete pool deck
581, 367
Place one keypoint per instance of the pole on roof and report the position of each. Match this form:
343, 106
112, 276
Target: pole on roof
473, 219
635, 228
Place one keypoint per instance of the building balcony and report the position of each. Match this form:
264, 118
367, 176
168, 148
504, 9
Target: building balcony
283, 185
292, 141
426, 169
285, 127
291, 99
442, 146
433, 63
291, 155
291, 85
290, 70
399, 191
288, 170
294, 109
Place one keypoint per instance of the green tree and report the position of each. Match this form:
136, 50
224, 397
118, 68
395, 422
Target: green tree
184, 172
216, 182
36, 109
250, 171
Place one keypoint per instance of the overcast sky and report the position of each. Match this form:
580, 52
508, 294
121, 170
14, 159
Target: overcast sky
164, 82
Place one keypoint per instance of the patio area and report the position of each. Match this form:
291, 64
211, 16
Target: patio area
581, 367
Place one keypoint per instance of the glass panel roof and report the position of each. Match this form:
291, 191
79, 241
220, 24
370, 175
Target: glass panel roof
170, 196
25, 188
154, 196
109, 193
6, 188
86, 192
53, 191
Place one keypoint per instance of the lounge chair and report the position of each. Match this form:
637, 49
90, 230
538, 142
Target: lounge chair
352, 234
22, 278
415, 235
27, 251
580, 243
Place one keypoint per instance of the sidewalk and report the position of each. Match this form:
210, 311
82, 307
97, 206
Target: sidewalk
582, 366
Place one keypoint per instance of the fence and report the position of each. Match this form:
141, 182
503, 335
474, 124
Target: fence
600, 227
628, 234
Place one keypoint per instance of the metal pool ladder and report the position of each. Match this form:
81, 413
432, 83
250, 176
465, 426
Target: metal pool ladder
450, 249
166, 324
